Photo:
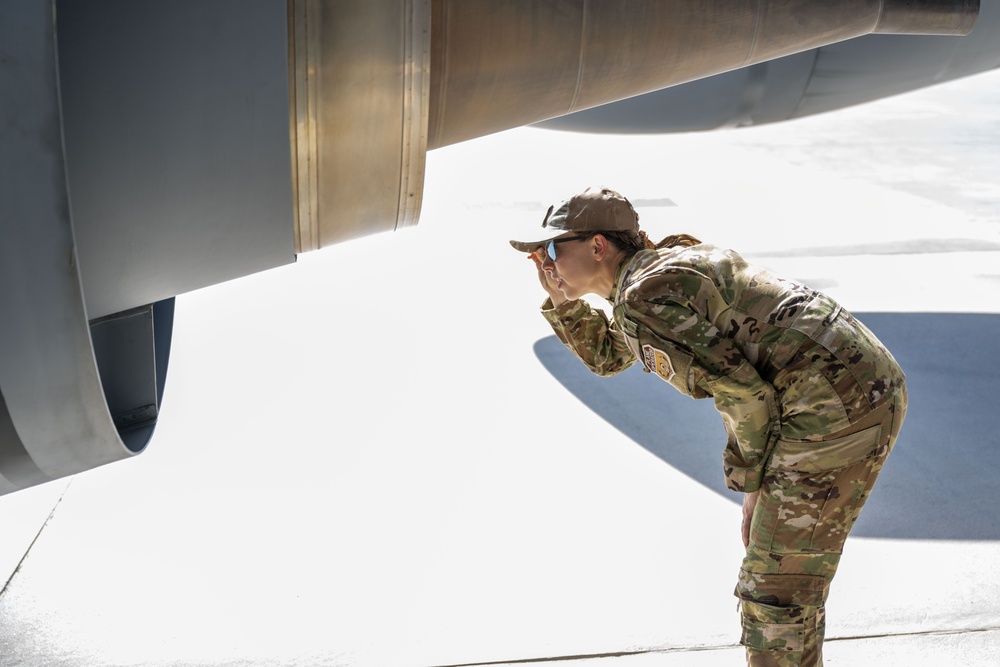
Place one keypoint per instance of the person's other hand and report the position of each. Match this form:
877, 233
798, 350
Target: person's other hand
749, 503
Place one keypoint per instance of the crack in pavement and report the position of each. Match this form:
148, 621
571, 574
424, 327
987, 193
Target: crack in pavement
27, 551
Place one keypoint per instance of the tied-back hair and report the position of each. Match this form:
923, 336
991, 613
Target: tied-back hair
685, 240
631, 243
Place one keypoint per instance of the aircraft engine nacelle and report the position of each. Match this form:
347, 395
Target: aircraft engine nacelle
153, 148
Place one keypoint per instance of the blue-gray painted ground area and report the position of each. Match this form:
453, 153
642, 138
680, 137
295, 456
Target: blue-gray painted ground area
946, 450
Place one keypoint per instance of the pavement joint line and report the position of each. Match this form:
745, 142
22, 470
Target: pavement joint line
27, 551
693, 649
927, 633
594, 656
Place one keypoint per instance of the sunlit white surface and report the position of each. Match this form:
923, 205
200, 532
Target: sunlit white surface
361, 461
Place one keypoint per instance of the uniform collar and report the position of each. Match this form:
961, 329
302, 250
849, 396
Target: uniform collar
621, 275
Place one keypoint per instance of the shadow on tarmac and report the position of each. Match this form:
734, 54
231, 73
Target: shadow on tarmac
940, 482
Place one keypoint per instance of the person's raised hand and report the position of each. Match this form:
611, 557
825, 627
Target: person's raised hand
545, 277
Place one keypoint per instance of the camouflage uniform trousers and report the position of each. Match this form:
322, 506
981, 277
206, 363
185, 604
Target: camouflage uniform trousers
797, 534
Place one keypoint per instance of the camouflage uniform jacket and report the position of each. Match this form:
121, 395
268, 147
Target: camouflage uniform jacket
785, 364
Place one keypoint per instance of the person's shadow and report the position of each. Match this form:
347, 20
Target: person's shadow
942, 478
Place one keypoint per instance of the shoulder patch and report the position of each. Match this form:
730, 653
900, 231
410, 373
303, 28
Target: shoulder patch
657, 362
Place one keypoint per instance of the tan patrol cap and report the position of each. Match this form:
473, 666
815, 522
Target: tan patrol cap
593, 210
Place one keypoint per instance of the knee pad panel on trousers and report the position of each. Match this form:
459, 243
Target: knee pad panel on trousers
782, 590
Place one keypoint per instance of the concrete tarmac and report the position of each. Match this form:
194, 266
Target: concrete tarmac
381, 457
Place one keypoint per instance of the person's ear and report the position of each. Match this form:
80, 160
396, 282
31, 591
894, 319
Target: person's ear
600, 246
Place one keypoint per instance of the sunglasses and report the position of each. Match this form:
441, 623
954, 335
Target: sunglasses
550, 247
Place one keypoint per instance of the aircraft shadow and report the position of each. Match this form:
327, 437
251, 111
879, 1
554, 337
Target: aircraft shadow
939, 483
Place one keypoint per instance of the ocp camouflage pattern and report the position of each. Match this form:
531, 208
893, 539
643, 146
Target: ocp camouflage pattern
785, 364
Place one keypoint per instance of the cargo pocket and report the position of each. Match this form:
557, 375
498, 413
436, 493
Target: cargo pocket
819, 489
769, 628
822, 455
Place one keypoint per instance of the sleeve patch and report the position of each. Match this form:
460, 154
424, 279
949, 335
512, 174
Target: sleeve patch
657, 362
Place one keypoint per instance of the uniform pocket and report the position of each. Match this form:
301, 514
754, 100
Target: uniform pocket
810, 405
819, 456
815, 507
769, 628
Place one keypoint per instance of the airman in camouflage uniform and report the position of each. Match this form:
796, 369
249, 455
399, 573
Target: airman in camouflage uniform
812, 402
